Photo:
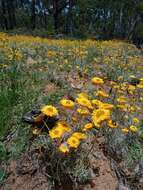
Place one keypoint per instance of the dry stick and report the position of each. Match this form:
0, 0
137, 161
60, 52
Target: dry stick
46, 125
57, 170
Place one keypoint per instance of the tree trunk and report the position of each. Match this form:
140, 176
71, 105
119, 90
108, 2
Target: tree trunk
11, 14
56, 22
69, 28
33, 14
5, 21
55, 15
45, 20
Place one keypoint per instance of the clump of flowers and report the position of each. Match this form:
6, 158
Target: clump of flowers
83, 115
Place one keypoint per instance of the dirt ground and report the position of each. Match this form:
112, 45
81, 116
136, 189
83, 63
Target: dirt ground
24, 174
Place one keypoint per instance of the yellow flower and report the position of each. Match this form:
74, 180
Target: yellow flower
131, 108
96, 102
102, 105
136, 120
88, 126
51, 53
125, 130
67, 103
83, 111
79, 135
97, 80
102, 93
132, 76
131, 87
140, 85
122, 107
84, 102
56, 132
121, 100
73, 142
106, 106
113, 83
49, 110
111, 124
141, 82
120, 78
116, 86
64, 126
100, 115
82, 95
64, 148
133, 129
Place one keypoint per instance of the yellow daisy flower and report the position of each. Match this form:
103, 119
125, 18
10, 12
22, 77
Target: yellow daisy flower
83, 111
132, 76
116, 86
121, 100
87, 126
131, 87
106, 106
125, 130
82, 95
49, 110
64, 148
122, 107
120, 78
67, 103
96, 102
140, 85
64, 126
136, 120
73, 142
56, 132
100, 115
133, 129
84, 102
79, 135
102, 94
97, 80
111, 124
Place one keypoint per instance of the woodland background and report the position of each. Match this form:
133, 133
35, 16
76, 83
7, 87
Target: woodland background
97, 19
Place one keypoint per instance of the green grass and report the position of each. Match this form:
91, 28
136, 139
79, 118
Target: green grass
21, 91
16, 97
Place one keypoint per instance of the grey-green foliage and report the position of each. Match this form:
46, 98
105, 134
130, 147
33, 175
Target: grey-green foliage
3, 156
135, 153
2, 175
3, 152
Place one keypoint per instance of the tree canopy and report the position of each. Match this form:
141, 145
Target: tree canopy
103, 19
